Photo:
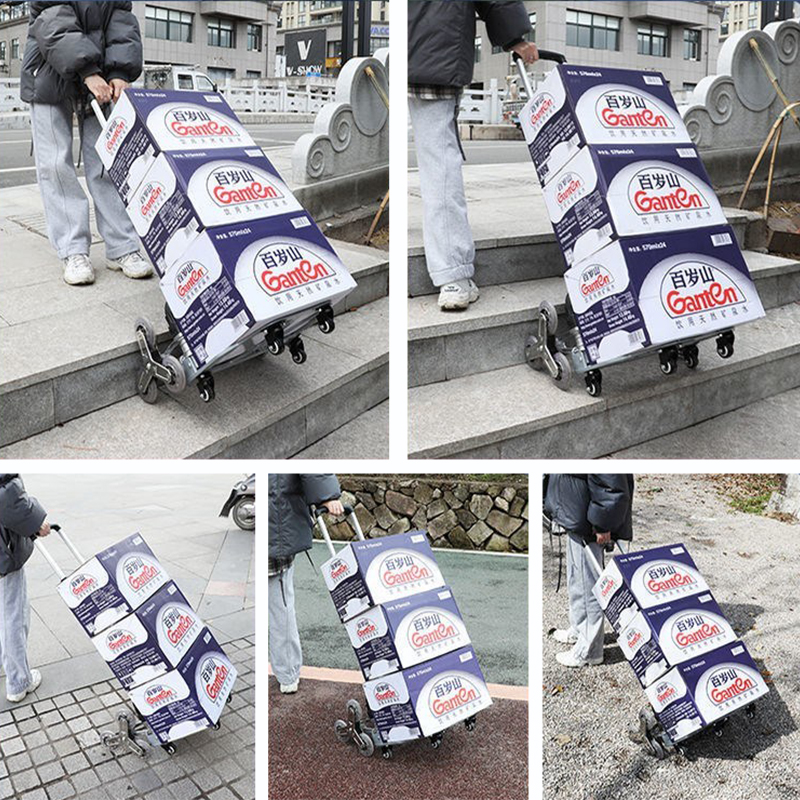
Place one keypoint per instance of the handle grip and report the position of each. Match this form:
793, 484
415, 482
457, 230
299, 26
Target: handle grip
349, 512
40, 546
544, 55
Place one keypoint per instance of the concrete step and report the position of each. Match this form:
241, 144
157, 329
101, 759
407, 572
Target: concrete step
491, 333
265, 408
366, 436
773, 423
534, 253
517, 412
82, 356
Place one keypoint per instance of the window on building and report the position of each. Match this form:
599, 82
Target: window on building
478, 46
752, 10
220, 74
3, 51
253, 74
496, 49
166, 23
691, 45
723, 29
592, 30
334, 49
18, 11
254, 34
752, 24
376, 42
221, 32
653, 40
14, 48
688, 86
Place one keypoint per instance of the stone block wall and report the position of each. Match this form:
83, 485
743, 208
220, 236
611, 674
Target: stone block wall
456, 513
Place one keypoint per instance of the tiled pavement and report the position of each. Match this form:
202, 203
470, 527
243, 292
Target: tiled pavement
51, 749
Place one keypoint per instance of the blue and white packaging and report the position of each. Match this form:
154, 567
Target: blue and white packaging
428, 698
657, 290
146, 122
664, 636
645, 579
190, 698
406, 632
236, 280
706, 689
112, 584
605, 193
366, 573
132, 654
575, 106
171, 622
184, 192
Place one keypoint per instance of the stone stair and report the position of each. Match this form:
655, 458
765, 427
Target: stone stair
67, 389
472, 364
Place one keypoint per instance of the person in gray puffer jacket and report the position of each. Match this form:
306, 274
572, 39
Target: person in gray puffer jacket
594, 510
441, 55
290, 532
77, 51
22, 518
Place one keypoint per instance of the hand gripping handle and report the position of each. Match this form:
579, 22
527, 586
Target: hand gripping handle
40, 546
544, 55
349, 512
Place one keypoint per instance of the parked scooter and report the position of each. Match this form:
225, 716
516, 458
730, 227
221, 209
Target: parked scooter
241, 505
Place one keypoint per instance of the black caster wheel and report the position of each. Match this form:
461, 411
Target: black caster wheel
594, 383
216, 726
719, 728
229, 698
724, 349
668, 360
150, 394
205, 385
750, 712
169, 749
386, 752
325, 321
275, 343
691, 356
298, 351
470, 724
436, 741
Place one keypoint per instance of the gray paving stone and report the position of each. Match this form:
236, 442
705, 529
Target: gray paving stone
207, 779
24, 712
109, 771
146, 780
22, 781
184, 789
245, 787
50, 772
75, 763
62, 790
42, 755
43, 705
19, 762
222, 794
12, 747
85, 780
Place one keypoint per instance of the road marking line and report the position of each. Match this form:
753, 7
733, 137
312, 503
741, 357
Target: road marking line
16, 169
499, 691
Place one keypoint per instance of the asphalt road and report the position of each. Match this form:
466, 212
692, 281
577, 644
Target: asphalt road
483, 152
16, 159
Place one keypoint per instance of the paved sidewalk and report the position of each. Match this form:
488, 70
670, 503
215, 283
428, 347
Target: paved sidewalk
52, 751
209, 558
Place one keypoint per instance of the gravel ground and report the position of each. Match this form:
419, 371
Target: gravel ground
752, 565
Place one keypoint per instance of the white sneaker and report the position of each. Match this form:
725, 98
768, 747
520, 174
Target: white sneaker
289, 688
457, 296
563, 636
36, 679
569, 660
133, 265
78, 270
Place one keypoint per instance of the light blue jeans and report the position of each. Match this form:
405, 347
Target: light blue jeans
15, 622
446, 234
585, 615
66, 207
285, 653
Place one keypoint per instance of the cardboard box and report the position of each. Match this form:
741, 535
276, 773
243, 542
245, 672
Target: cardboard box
575, 106
190, 698
112, 584
146, 122
185, 192
428, 698
645, 579
605, 193
366, 573
657, 290
664, 636
704, 690
172, 622
234, 281
407, 632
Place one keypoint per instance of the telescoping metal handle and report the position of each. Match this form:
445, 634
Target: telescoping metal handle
609, 548
544, 55
350, 514
98, 112
50, 560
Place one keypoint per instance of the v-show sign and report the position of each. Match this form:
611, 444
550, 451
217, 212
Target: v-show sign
305, 52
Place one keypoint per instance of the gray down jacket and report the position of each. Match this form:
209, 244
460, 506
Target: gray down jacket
290, 522
67, 42
21, 516
584, 504
441, 36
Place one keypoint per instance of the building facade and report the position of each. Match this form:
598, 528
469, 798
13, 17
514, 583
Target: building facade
230, 39
680, 39
741, 15
300, 15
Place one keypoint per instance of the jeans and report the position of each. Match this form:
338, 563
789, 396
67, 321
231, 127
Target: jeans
285, 653
585, 615
15, 622
446, 234
66, 207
